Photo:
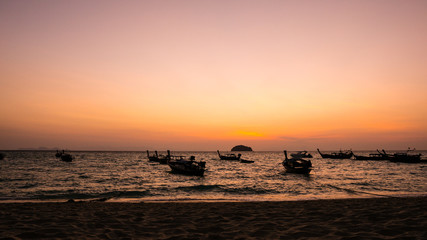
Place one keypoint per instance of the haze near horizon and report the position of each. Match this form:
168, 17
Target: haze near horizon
207, 75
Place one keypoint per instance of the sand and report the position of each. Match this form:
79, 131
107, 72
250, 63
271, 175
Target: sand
378, 218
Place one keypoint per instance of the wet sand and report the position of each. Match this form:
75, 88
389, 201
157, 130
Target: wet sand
377, 218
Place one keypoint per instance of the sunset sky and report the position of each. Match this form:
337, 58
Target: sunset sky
208, 75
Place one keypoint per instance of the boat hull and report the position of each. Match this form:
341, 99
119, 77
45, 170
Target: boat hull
153, 159
67, 157
406, 158
337, 155
187, 168
159, 160
298, 167
229, 158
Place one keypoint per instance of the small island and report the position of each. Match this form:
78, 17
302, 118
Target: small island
240, 148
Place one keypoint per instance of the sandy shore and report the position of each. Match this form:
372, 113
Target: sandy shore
385, 218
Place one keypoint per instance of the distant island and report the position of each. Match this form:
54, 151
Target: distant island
240, 148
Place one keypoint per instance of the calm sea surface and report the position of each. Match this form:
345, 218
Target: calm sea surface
129, 176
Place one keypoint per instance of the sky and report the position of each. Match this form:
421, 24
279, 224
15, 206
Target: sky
207, 75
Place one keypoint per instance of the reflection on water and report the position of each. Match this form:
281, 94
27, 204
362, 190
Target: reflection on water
129, 176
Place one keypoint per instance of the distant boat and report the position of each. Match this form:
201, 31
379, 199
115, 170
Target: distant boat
406, 157
230, 156
187, 166
66, 157
58, 153
162, 159
296, 165
301, 154
337, 155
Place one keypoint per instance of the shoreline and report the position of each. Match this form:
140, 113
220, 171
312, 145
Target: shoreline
360, 195
382, 218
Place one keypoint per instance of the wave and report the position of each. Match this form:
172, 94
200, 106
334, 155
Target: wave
251, 190
28, 185
200, 188
45, 195
225, 189
12, 179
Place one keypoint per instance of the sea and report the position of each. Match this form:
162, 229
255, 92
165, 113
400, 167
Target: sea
129, 177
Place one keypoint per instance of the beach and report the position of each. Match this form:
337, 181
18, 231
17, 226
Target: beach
371, 218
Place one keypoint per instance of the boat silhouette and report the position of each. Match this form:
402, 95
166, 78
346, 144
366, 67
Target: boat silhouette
179, 164
405, 157
66, 157
296, 165
230, 156
337, 155
162, 159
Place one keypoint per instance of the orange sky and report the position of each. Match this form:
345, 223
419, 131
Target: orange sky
207, 75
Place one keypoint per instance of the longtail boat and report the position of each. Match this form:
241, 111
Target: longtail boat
187, 167
230, 156
296, 165
337, 155
406, 157
162, 159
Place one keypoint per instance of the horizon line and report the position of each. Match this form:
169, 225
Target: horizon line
95, 150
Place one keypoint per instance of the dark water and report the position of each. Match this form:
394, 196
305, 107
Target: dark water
128, 176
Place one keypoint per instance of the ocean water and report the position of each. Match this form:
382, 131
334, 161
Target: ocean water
129, 176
